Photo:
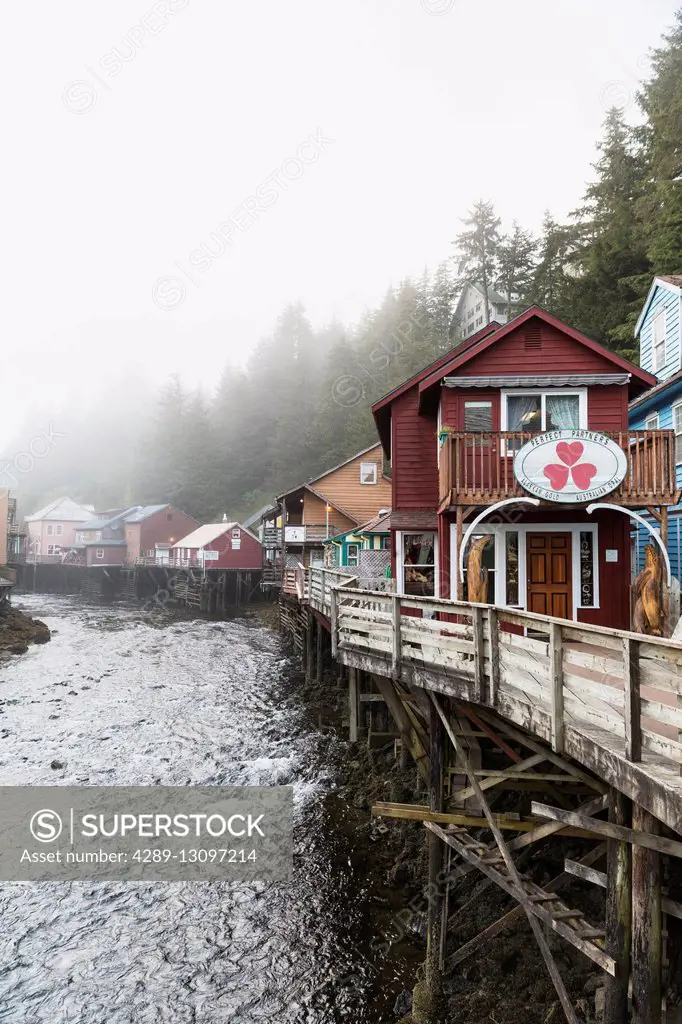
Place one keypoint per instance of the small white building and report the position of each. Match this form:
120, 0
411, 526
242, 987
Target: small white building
471, 309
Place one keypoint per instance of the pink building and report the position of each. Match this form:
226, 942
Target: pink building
52, 530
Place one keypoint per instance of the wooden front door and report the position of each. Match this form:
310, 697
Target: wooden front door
548, 574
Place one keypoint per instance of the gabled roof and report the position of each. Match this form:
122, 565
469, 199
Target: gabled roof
203, 535
485, 339
672, 282
493, 295
644, 378
207, 533
110, 523
672, 383
378, 524
321, 476
144, 512
64, 509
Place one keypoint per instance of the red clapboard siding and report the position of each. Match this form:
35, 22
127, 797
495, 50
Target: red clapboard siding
557, 354
414, 458
607, 408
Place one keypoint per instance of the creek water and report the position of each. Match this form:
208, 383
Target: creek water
120, 698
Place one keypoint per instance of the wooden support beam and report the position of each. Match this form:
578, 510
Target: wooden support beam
618, 913
318, 652
510, 822
408, 733
480, 940
436, 904
334, 621
647, 960
600, 878
513, 873
532, 744
636, 836
494, 778
353, 704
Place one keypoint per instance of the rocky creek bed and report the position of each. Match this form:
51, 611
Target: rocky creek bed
18, 630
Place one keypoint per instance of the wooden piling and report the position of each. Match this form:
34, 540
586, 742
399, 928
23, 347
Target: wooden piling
647, 958
318, 652
618, 913
353, 704
309, 650
433, 970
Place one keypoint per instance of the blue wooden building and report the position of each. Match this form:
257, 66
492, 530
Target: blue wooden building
659, 330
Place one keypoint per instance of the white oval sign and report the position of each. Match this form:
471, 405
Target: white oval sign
570, 466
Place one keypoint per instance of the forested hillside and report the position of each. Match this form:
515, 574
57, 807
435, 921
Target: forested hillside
302, 402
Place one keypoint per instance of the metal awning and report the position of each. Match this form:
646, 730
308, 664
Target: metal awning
554, 380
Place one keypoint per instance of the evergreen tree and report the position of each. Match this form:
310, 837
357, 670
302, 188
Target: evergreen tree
516, 261
476, 255
549, 281
661, 102
610, 258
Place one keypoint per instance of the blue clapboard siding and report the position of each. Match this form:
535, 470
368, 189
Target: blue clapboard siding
668, 299
642, 537
662, 404
662, 297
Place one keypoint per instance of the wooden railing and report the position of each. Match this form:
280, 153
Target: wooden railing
591, 692
478, 468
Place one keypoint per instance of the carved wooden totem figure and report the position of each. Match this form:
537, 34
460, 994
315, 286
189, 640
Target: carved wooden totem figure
477, 575
647, 595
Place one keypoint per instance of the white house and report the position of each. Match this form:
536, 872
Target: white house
471, 312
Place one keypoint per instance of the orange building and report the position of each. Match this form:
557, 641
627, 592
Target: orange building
332, 503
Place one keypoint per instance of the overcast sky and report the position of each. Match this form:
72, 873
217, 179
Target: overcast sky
135, 131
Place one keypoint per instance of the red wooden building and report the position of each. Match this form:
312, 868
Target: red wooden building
219, 546
540, 395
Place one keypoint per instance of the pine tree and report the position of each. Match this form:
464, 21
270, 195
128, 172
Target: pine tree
516, 261
476, 255
610, 258
549, 281
661, 102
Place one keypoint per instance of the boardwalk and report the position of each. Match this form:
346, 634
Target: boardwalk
604, 706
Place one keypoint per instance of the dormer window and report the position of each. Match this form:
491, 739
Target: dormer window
659, 332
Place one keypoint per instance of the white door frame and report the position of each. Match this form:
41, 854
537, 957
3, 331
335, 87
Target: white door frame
499, 532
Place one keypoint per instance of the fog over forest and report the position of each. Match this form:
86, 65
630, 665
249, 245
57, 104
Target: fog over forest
271, 255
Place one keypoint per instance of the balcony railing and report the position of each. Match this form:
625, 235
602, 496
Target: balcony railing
478, 468
309, 534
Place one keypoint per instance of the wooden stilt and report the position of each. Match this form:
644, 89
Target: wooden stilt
647, 966
618, 914
310, 626
353, 703
513, 874
318, 652
434, 929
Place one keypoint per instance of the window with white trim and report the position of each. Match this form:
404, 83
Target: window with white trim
99, 553
418, 564
658, 340
368, 472
54, 549
58, 529
353, 555
652, 422
49, 530
538, 411
677, 427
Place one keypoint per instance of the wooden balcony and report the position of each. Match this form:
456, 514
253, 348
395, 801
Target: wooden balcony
299, 534
478, 468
